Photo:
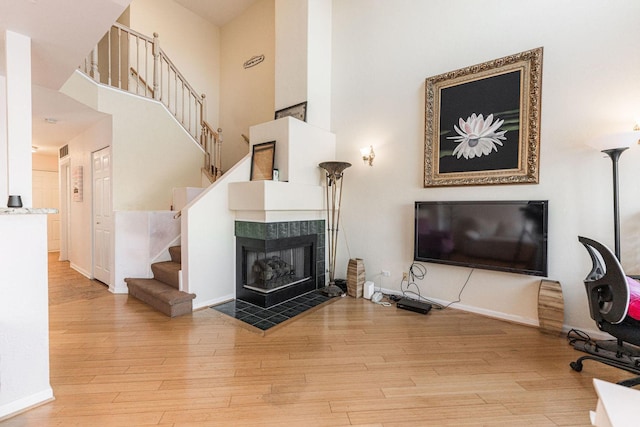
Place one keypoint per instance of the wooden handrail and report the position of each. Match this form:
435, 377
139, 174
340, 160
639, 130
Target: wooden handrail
136, 76
131, 31
136, 56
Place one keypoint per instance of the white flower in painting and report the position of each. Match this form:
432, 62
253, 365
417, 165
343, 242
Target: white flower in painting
477, 136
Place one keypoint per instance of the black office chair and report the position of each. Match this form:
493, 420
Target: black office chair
608, 294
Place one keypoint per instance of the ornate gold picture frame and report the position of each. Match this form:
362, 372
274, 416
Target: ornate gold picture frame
482, 123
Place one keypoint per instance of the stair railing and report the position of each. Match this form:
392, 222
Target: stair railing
211, 141
131, 61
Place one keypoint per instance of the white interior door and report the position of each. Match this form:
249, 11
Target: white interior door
45, 195
102, 215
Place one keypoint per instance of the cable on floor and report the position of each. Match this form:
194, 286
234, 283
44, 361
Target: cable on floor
419, 272
575, 335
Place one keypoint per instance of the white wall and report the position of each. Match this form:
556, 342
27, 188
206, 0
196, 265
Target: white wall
208, 241
292, 49
382, 53
192, 44
141, 238
303, 57
151, 152
4, 178
80, 247
247, 95
24, 313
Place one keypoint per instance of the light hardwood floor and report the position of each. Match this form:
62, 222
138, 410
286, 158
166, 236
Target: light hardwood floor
116, 362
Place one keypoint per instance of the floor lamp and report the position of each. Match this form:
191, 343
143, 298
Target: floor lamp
613, 145
334, 174
614, 154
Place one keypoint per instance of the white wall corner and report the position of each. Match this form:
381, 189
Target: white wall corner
300, 147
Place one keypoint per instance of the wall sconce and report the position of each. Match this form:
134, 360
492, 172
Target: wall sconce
368, 155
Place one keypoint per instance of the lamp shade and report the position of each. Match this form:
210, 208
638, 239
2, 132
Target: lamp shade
334, 168
615, 140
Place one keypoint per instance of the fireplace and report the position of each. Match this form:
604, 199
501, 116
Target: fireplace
278, 261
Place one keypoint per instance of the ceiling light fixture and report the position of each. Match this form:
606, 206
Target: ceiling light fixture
50, 120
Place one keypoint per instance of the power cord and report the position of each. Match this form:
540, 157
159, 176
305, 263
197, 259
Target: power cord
419, 272
461, 289
416, 271
575, 335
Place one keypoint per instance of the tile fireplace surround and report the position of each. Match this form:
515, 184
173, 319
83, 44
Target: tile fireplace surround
267, 318
269, 234
279, 225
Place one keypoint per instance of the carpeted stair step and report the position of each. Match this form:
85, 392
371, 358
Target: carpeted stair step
176, 254
167, 272
161, 296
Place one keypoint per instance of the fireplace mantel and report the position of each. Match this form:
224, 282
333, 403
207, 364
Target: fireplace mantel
269, 201
299, 194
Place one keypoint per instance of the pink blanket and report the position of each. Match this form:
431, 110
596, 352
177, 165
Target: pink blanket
634, 298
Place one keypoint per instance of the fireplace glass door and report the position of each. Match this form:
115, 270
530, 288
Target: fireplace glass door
270, 271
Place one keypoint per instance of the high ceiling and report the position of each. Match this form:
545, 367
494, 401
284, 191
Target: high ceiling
62, 32
218, 12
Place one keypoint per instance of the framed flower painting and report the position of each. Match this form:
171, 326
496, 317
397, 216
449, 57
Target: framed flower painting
482, 123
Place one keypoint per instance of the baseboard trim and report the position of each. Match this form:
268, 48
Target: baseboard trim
214, 301
80, 270
482, 311
19, 406
121, 289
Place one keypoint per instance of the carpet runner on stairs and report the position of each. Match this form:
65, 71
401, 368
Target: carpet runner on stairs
163, 291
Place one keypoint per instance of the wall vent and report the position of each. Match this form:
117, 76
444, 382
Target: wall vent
64, 151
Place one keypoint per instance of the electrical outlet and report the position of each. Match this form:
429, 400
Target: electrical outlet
405, 276
386, 273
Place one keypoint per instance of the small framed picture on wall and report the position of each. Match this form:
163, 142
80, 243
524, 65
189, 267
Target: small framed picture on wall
299, 111
262, 159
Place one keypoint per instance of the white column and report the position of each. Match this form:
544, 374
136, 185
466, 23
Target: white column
18, 116
319, 64
24, 313
4, 173
291, 52
303, 58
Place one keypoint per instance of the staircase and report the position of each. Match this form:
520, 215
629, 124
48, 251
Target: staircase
128, 60
163, 291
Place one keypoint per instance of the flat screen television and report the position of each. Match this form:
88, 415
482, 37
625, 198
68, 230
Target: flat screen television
496, 235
